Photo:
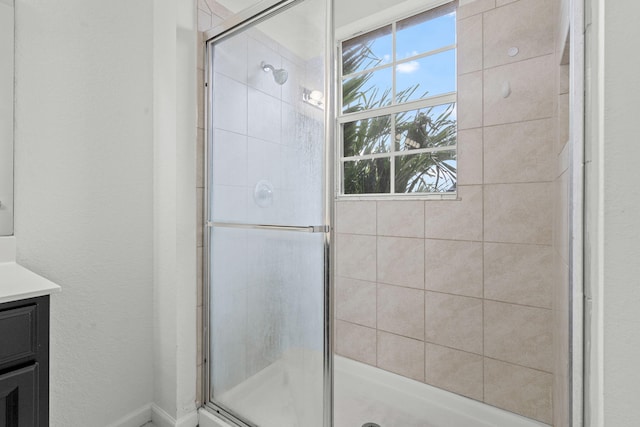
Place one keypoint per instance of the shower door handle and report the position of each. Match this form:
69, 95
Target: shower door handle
298, 228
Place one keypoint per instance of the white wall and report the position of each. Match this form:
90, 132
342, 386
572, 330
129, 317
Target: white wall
613, 223
621, 290
84, 180
174, 222
6, 117
106, 182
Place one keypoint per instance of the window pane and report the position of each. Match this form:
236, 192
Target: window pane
367, 91
367, 136
367, 176
427, 172
428, 127
367, 51
429, 76
426, 32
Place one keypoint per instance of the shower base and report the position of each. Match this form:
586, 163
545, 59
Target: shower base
287, 394
366, 394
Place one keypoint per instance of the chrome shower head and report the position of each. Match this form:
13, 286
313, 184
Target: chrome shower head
280, 75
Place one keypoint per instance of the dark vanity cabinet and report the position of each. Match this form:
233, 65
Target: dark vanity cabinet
24, 363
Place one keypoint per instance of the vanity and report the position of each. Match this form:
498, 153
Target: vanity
24, 342
24, 362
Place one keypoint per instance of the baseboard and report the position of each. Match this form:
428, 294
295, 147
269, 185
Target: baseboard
189, 420
135, 419
207, 419
161, 419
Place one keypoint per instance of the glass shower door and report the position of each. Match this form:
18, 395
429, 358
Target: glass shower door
267, 232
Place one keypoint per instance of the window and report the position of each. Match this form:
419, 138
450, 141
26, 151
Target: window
398, 114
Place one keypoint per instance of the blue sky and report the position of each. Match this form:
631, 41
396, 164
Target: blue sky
435, 74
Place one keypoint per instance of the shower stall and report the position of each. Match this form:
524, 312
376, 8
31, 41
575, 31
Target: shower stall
388, 214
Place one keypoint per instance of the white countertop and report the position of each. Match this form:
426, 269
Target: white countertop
16, 283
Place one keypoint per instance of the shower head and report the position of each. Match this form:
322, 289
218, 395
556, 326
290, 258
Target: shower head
280, 76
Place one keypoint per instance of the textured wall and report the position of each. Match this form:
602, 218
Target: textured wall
611, 222
174, 221
6, 118
84, 158
619, 293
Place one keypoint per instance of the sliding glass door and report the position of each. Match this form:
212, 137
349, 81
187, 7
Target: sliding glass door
268, 228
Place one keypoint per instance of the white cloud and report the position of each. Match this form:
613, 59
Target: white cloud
408, 67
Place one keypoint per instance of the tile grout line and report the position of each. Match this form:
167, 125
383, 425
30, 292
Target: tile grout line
376, 227
431, 342
424, 288
519, 61
483, 213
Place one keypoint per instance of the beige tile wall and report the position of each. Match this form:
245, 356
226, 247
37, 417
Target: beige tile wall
461, 294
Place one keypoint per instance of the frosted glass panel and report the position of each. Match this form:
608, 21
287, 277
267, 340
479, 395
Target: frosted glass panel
267, 168
267, 325
267, 142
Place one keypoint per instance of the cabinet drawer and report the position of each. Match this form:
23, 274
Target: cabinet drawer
18, 338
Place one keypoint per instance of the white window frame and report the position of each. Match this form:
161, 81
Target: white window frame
379, 20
